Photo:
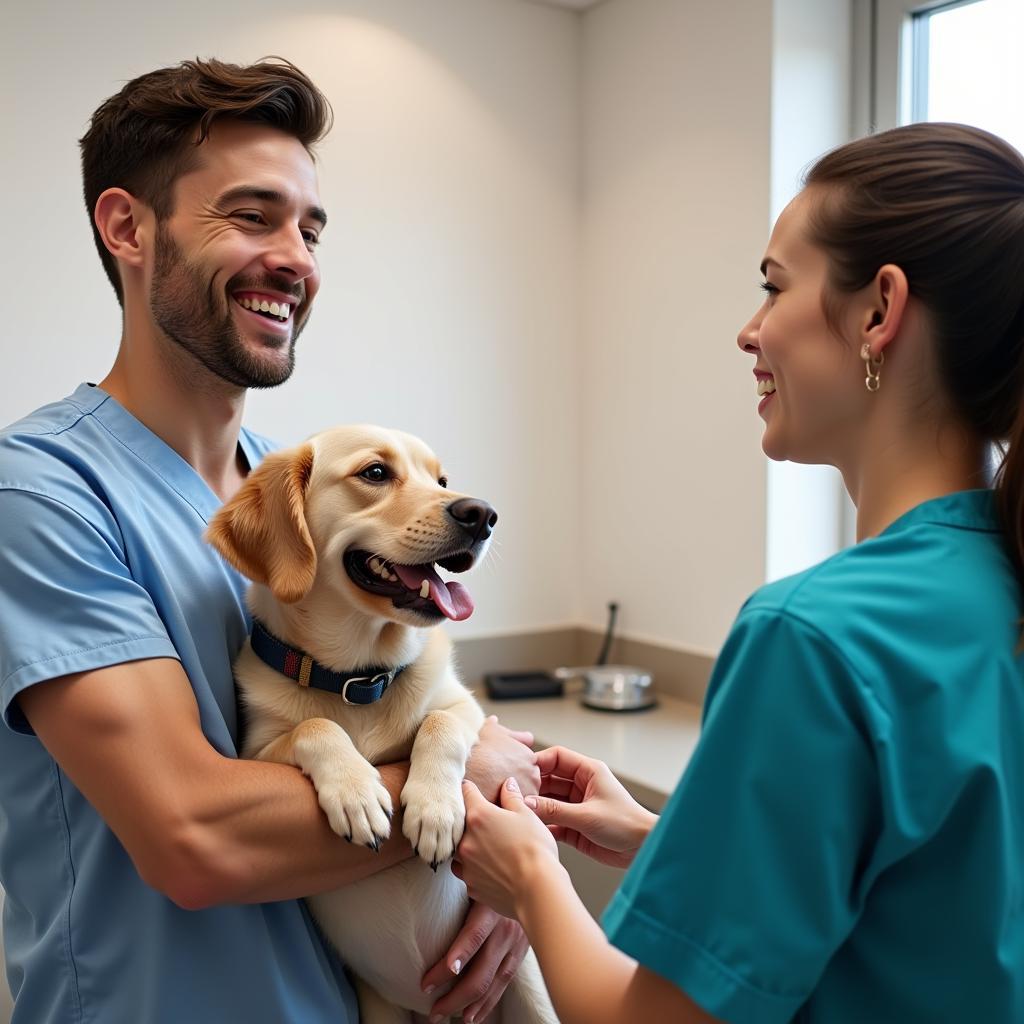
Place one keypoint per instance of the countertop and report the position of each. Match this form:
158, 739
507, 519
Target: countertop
647, 750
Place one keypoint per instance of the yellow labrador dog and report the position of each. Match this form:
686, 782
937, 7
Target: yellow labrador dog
340, 537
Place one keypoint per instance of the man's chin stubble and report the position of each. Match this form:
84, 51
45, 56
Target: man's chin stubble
199, 367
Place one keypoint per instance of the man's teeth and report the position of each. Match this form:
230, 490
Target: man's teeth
765, 386
281, 309
381, 570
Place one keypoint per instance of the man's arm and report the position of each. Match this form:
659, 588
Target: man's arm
200, 827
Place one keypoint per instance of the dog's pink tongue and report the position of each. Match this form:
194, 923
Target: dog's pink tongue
451, 598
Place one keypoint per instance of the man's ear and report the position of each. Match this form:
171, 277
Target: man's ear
120, 220
883, 315
262, 530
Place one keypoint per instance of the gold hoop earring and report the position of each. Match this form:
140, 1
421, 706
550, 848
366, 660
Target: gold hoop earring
873, 367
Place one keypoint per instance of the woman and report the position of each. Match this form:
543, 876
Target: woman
847, 843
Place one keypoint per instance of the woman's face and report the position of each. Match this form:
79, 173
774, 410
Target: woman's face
811, 381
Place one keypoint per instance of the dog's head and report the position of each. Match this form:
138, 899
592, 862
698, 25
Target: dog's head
361, 511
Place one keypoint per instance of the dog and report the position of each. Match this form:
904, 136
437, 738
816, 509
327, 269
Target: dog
344, 670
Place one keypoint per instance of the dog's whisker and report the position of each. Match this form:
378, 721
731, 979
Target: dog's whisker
494, 555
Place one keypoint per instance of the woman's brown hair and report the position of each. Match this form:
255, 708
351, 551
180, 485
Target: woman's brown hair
145, 137
945, 203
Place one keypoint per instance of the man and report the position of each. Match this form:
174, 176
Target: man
151, 875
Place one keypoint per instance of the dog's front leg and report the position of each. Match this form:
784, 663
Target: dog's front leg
434, 812
349, 788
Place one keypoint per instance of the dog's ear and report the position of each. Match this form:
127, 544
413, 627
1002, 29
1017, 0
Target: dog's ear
262, 530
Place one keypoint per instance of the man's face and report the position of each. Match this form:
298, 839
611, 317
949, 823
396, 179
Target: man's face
235, 272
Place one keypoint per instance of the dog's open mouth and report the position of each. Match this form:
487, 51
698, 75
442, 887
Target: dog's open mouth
414, 587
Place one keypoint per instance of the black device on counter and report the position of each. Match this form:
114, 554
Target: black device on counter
538, 683
522, 685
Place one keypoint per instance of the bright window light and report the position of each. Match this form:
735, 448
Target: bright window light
970, 66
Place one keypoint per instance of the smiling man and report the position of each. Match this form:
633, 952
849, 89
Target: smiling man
278, 299
151, 874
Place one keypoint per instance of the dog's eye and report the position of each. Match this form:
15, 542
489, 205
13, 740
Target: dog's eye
443, 481
378, 473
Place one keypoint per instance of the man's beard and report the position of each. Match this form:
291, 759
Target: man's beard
186, 310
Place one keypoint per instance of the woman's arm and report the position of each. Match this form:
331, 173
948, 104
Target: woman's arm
509, 860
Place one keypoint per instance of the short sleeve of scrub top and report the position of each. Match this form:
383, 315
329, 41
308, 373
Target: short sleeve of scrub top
70, 573
768, 832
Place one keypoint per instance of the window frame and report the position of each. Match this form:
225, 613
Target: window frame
884, 83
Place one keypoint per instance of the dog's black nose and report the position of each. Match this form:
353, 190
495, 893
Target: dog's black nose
476, 517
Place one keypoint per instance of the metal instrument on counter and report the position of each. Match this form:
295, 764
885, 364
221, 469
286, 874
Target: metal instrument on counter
611, 687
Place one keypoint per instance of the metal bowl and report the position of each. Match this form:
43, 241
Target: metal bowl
614, 687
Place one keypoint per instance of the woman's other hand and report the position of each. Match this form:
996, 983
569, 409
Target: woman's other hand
503, 848
585, 806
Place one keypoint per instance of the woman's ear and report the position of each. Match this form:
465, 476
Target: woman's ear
262, 530
883, 315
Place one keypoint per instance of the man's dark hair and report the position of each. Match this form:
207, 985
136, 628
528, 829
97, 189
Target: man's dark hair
146, 136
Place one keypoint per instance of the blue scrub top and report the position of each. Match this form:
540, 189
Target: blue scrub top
101, 562
847, 843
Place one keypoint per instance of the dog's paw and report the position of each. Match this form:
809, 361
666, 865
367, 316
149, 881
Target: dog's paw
433, 819
357, 805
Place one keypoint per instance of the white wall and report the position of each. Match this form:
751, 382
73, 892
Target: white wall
677, 118
811, 73
545, 232
450, 298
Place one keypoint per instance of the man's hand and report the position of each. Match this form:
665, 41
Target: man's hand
484, 957
500, 753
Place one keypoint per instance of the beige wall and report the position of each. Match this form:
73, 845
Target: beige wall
811, 112
676, 104
450, 298
545, 232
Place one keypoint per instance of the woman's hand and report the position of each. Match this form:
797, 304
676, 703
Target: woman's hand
503, 848
585, 806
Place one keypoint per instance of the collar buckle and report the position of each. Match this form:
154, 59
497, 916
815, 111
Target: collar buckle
381, 680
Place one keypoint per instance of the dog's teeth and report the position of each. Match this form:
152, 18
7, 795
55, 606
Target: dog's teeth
425, 589
392, 577
375, 565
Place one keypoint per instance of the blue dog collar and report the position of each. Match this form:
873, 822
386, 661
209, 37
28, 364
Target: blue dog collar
366, 686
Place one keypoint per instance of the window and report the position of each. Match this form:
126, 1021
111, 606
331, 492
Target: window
913, 60
943, 61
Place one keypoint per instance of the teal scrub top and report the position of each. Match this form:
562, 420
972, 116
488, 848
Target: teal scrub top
847, 842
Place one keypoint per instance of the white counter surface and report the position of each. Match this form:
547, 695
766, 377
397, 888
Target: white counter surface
647, 750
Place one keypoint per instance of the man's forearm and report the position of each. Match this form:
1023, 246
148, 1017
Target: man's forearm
200, 827
258, 834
